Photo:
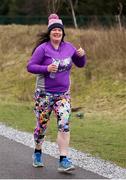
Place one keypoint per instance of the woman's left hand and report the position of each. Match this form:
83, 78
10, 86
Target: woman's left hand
80, 52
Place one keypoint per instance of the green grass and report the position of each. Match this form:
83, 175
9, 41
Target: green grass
101, 136
96, 133
18, 116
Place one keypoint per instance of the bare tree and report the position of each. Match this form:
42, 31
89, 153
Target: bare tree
53, 6
120, 8
73, 12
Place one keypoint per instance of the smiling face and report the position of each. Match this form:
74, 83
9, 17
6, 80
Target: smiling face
56, 35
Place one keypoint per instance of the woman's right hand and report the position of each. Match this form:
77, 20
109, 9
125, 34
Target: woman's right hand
52, 68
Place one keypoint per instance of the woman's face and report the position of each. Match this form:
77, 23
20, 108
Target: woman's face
56, 35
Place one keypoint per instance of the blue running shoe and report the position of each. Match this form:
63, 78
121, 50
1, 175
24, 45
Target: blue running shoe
65, 165
37, 160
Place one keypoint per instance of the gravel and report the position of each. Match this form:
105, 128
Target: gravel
83, 160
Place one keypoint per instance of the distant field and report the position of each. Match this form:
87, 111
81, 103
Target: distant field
99, 88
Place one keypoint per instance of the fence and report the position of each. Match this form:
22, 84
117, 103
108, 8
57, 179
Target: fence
82, 21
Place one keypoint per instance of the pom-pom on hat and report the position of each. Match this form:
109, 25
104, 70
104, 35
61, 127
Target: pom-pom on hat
54, 22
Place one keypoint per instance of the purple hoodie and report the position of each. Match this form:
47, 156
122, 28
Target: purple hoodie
44, 55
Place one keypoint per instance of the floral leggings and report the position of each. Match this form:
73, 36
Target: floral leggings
44, 104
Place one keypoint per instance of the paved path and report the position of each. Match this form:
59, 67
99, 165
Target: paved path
16, 163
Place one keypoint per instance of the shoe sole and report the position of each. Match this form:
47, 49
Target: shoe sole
66, 170
35, 165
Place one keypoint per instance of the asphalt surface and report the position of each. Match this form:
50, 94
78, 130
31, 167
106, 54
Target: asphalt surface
16, 163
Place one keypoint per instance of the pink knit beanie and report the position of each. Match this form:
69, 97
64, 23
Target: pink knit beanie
54, 22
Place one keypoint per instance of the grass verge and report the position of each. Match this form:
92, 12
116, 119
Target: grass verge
99, 134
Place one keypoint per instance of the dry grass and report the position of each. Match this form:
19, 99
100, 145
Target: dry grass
103, 77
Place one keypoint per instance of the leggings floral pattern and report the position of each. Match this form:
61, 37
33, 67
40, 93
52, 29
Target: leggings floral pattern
45, 103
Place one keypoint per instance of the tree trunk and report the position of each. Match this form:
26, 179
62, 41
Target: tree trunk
73, 14
119, 15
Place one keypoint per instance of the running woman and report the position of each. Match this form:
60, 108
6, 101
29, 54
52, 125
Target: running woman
51, 61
